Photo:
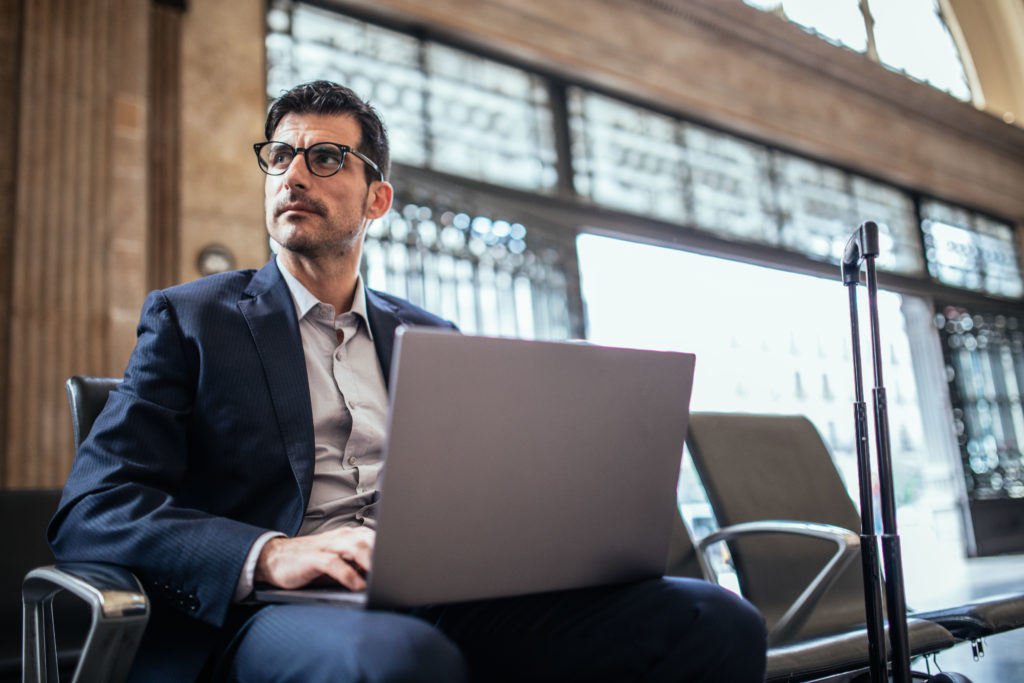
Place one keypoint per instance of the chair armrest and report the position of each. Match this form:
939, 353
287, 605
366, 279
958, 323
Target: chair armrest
847, 547
119, 609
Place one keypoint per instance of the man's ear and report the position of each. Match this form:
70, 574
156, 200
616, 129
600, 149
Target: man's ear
381, 193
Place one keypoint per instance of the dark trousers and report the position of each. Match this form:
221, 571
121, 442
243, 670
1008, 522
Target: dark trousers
660, 630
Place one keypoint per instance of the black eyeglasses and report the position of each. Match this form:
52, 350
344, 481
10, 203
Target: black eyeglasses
322, 159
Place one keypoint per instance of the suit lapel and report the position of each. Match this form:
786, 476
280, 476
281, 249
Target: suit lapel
384, 321
269, 311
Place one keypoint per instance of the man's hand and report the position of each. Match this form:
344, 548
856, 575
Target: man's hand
340, 554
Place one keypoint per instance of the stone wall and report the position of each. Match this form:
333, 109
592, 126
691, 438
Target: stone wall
98, 182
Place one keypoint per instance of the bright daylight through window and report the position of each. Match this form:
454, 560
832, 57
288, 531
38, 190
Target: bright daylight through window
769, 341
880, 28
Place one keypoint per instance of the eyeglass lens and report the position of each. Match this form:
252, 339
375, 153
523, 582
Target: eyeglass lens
323, 159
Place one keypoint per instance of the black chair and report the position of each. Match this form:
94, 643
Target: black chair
778, 496
25, 514
116, 600
87, 396
843, 654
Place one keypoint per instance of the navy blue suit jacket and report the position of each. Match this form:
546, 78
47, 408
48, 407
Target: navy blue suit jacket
207, 444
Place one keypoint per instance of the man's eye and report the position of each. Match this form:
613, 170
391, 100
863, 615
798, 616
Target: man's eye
279, 155
327, 158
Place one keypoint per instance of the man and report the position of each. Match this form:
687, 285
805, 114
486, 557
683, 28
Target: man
244, 446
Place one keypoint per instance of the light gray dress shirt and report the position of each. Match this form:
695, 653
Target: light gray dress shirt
350, 402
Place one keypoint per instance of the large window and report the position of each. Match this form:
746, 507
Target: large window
909, 35
628, 157
773, 342
445, 109
966, 249
462, 114
984, 354
487, 274
766, 340
985, 361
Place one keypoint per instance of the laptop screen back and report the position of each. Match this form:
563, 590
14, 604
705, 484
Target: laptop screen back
517, 466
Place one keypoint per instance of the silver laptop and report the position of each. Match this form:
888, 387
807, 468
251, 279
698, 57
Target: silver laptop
515, 467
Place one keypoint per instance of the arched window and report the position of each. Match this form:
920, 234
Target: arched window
911, 36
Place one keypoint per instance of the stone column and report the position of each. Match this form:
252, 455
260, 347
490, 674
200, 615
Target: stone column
80, 215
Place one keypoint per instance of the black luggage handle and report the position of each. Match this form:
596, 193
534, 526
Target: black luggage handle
863, 248
863, 243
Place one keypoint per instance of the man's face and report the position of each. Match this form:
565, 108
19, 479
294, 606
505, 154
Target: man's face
322, 217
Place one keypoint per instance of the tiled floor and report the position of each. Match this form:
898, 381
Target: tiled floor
1003, 661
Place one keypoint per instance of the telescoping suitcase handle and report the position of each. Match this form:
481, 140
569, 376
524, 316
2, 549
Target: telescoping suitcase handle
863, 248
863, 243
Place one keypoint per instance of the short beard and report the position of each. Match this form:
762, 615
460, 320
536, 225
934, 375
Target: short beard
308, 245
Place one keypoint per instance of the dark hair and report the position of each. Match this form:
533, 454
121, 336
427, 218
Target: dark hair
325, 97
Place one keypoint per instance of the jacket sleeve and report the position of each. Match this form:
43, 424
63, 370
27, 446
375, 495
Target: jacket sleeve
130, 499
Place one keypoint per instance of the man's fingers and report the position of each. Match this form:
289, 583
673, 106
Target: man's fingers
357, 562
344, 573
343, 555
360, 557
354, 546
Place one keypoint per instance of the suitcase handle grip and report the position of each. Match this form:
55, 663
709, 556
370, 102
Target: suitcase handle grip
863, 243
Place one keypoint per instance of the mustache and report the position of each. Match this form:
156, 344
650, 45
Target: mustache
298, 200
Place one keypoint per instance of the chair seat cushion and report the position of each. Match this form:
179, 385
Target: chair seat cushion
845, 652
980, 618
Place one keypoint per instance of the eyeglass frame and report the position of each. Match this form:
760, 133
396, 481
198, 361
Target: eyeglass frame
344, 149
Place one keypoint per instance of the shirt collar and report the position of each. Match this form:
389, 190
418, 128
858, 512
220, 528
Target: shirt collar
304, 301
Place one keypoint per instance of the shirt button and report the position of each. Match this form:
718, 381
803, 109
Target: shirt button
351, 460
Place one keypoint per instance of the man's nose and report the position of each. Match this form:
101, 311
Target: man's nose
297, 174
